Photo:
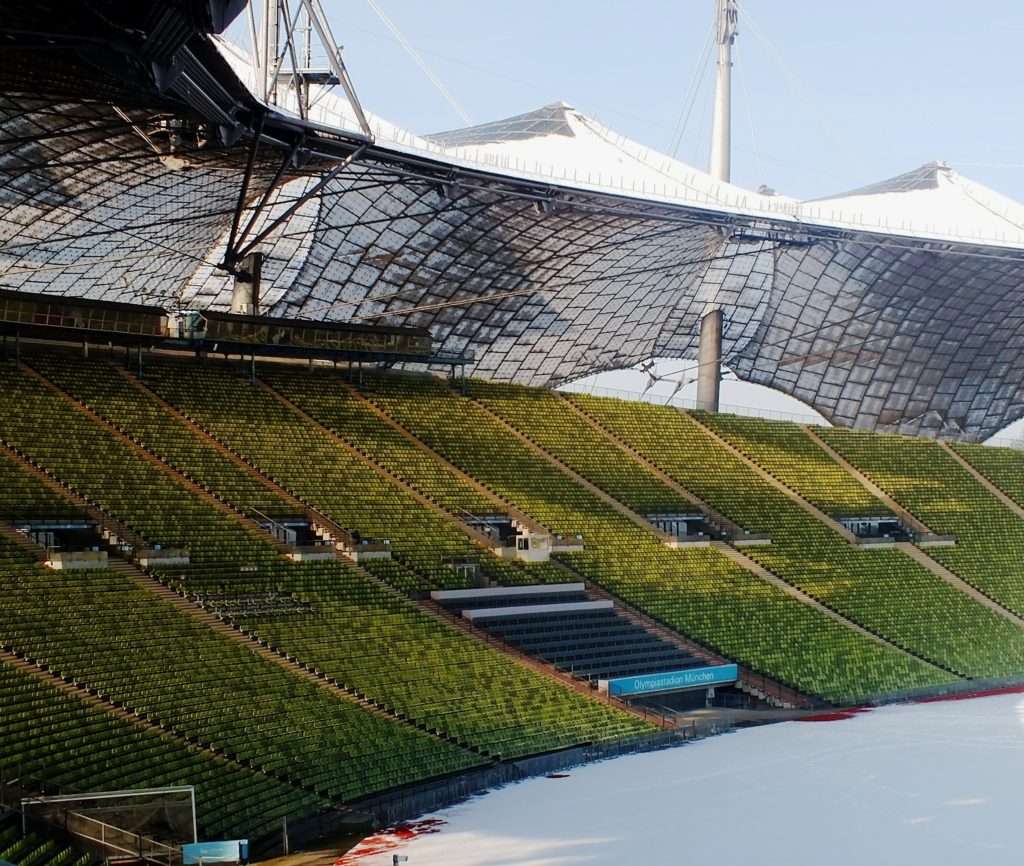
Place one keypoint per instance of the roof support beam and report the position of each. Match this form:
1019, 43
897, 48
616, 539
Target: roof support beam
229, 253
301, 200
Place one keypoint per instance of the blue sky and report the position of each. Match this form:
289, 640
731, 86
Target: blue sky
829, 95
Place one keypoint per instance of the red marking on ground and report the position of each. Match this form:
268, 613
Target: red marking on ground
837, 715
390, 839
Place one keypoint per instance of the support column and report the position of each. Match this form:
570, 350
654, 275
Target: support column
245, 293
709, 361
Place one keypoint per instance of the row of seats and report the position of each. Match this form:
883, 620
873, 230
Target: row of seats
1004, 467
112, 476
323, 395
101, 630
24, 498
699, 592
61, 743
884, 590
57, 742
594, 646
932, 485
333, 616
591, 644
35, 848
95, 383
314, 468
381, 645
786, 452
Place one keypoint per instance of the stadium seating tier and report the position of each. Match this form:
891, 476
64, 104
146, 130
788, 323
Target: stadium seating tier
417, 698
931, 484
882, 589
697, 591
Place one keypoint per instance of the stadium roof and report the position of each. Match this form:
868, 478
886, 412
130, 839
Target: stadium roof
935, 199
559, 144
547, 244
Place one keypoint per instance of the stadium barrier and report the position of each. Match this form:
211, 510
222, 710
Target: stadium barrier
667, 681
402, 804
950, 690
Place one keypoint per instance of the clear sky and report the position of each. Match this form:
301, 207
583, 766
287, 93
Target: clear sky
829, 95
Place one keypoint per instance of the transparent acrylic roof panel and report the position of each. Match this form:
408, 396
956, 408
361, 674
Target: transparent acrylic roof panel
549, 120
921, 178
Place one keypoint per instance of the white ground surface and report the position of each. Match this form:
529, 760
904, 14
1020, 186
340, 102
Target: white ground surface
928, 784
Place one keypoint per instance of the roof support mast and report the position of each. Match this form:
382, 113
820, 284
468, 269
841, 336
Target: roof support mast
284, 26
276, 39
726, 16
271, 48
709, 352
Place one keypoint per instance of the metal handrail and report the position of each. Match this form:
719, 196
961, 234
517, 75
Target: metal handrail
146, 848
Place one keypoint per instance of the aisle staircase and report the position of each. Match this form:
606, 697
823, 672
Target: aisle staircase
564, 626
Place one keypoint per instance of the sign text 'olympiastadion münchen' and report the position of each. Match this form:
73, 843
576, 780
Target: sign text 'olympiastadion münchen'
671, 681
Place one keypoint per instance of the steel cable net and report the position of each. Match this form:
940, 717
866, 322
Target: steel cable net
93, 204
886, 333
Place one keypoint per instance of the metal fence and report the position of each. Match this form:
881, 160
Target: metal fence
117, 842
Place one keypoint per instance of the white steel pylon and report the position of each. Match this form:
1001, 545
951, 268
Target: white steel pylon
726, 19
709, 351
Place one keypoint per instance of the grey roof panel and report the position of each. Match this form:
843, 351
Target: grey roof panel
549, 120
924, 177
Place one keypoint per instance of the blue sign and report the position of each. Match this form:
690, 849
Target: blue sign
233, 851
671, 681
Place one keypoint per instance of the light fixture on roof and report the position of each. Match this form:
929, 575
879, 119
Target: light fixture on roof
545, 206
449, 189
